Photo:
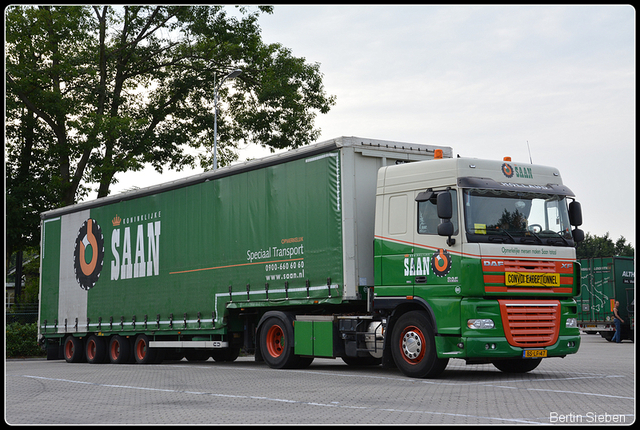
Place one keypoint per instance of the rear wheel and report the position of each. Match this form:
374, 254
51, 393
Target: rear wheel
414, 348
119, 350
73, 350
96, 349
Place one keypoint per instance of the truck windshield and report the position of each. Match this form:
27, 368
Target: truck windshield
516, 217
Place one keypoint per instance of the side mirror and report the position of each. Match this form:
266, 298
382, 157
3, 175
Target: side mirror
578, 235
575, 213
445, 207
445, 228
445, 212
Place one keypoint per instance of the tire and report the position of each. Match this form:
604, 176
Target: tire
96, 350
413, 347
73, 350
517, 365
119, 350
276, 344
225, 354
143, 353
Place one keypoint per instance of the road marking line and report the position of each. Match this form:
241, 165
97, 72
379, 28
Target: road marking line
235, 396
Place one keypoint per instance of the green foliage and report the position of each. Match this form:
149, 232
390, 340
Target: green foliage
92, 91
22, 340
597, 247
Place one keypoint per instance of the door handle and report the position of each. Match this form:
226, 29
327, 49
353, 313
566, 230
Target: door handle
421, 280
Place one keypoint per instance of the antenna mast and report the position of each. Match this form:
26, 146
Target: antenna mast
530, 161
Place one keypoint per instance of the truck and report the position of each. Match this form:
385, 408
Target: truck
605, 281
372, 251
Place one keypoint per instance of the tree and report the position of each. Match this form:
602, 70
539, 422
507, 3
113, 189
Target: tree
94, 91
118, 88
596, 247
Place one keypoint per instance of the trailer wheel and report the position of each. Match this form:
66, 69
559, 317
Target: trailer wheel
414, 348
73, 350
517, 365
96, 350
142, 352
119, 350
276, 343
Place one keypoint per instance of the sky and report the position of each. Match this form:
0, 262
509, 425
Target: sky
488, 81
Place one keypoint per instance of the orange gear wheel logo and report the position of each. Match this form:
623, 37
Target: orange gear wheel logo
88, 255
507, 170
441, 262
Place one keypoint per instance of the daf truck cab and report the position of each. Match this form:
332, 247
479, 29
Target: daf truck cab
475, 259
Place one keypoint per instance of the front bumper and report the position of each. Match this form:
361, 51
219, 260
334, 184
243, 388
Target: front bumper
498, 347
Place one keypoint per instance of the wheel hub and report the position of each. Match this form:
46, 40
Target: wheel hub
411, 345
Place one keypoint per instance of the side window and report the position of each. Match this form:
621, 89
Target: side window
398, 215
428, 220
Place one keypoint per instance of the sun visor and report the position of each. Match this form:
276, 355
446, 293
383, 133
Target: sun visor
490, 184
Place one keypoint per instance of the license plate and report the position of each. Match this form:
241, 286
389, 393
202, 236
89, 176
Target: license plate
534, 353
526, 279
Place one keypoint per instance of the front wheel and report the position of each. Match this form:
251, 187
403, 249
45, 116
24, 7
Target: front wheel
413, 347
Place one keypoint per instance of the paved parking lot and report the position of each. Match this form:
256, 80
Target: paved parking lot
595, 386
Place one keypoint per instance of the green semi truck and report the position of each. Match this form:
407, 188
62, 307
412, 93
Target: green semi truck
605, 281
373, 251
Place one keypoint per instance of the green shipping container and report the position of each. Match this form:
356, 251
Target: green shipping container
182, 257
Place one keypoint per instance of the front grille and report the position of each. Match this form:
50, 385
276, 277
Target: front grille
495, 280
530, 323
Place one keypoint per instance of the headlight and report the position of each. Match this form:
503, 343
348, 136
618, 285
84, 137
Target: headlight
480, 324
572, 323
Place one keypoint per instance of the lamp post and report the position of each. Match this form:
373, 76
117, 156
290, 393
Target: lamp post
232, 74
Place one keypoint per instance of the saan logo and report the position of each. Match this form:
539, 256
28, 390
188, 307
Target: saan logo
441, 262
143, 260
507, 170
88, 254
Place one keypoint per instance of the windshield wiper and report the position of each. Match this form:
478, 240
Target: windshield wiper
554, 240
501, 238
529, 239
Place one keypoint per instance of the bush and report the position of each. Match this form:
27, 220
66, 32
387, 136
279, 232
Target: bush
22, 340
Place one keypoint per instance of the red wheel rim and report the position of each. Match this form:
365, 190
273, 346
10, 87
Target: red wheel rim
68, 349
115, 349
141, 349
275, 341
412, 345
91, 349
